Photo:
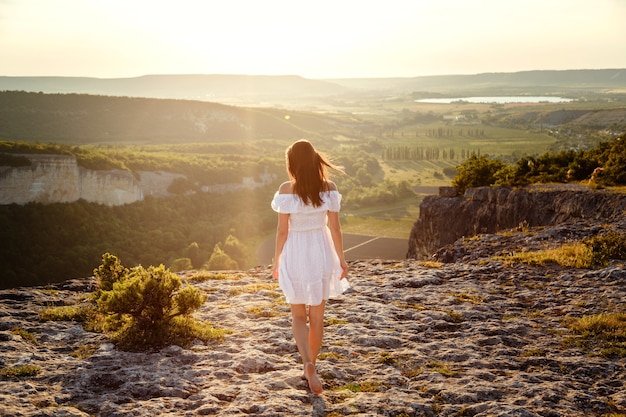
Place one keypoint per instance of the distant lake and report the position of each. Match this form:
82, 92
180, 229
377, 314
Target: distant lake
498, 100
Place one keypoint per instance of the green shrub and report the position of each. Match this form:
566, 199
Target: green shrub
546, 168
150, 308
611, 245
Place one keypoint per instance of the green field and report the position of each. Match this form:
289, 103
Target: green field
394, 220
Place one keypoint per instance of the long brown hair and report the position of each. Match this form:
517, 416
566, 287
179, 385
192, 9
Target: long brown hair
308, 171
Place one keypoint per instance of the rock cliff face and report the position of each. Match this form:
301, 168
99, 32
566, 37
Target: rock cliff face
59, 179
446, 218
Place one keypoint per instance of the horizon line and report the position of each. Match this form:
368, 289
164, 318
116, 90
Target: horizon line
309, 78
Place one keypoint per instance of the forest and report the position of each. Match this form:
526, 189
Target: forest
46, 243
55, 242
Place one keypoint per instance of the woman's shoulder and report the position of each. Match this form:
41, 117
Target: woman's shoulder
285, 188
284, 200
331, 186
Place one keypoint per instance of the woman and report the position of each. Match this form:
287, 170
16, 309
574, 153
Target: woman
309, 263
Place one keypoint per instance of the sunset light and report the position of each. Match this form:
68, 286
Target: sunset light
324, 39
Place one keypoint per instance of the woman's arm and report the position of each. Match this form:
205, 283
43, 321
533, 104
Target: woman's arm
335, 232
282, 230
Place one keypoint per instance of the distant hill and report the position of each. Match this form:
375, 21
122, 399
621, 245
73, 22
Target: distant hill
200, 108
536, 82
285, 90
82, 118
231, 89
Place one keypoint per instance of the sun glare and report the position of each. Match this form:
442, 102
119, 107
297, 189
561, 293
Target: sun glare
323, 39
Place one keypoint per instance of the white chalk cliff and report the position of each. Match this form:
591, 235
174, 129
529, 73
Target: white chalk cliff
53, 178
59, 179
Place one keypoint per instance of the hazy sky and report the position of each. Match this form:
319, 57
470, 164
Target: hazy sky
314, 39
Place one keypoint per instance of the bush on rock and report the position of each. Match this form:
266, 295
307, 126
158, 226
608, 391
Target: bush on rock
150, 307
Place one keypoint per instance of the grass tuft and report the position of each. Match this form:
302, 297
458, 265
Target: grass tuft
26, 335
20, 371
252, 288
533, 352
331, 321
202, 276
84, 351
464, 297
454, 317
442, 368
263, 311
430, 264
603, 334
366, 386
409, 306
576, 255
387, 359
65, 313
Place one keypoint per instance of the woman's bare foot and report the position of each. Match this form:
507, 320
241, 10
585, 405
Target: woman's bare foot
311, 376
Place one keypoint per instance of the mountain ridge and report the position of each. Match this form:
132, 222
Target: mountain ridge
231, 87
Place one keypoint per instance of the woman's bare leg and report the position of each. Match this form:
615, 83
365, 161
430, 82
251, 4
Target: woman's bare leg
301, 334
316, 329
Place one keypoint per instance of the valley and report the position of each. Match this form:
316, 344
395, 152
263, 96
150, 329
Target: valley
394, 149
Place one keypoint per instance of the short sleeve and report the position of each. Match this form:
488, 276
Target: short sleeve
284, 203
291, 203
334, 201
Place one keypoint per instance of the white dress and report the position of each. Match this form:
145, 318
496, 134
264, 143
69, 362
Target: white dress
309, 269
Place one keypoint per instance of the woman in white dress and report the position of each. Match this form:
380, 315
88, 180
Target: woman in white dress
309, 263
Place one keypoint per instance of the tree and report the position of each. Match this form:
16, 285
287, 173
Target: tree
614, 158
220, 261
195, 255
181, 264
477, 171
236, 250
364, 177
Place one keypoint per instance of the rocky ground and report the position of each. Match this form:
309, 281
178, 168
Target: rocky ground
469, 338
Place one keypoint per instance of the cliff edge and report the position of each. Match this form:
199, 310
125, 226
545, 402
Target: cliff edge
51, 178
445, 218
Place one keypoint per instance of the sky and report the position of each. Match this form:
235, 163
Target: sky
318, 39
